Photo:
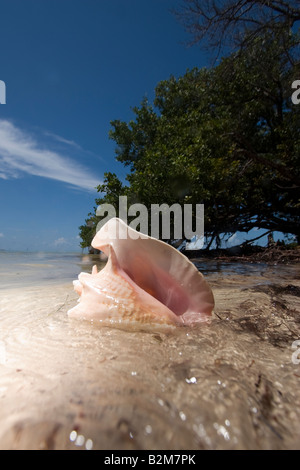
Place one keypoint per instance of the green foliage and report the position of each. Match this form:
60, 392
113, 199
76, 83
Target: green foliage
87, 233
227, 137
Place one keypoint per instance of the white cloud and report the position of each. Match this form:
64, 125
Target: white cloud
72, 144
60, 241
232, 238
63, 140
1, 235
20, 153
235, 239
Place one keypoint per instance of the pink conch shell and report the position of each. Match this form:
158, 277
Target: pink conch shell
145, 280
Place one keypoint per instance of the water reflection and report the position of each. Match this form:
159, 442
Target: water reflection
29, 269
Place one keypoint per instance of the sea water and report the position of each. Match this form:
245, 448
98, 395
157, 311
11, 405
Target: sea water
42, 268
19, 269
70, 384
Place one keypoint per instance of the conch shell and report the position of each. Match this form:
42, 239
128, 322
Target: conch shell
144, 280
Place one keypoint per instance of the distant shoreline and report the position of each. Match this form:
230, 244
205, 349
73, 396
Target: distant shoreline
253, 254
247, 253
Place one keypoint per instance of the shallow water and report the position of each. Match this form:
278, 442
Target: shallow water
27, 269
232, 384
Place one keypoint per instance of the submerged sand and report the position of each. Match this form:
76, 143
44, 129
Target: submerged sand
232, 384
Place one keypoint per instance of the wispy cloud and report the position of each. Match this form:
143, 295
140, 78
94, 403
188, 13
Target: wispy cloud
72, 144
60, 241
21, 153
1, 235
63, 140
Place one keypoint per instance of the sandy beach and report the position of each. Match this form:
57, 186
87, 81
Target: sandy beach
232, 384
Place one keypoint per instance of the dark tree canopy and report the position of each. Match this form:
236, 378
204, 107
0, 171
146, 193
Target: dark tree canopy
236, 23
226, 137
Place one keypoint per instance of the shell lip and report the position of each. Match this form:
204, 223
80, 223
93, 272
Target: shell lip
158, 268
164, 283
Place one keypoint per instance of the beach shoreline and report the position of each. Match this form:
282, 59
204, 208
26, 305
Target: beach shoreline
230, 384
276, 254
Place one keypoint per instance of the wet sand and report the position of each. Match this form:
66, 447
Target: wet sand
232, 384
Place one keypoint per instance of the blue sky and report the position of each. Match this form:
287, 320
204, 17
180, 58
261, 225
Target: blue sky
70, 67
